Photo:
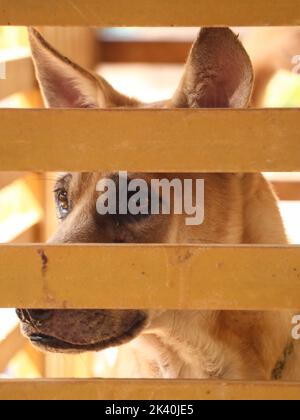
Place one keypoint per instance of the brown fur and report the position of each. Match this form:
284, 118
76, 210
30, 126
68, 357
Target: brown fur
239, 209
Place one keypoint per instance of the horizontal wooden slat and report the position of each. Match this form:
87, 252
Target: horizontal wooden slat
149, 12
150, 276
97, 389
150, 140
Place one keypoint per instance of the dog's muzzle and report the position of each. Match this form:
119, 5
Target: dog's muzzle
80, 330
33, 316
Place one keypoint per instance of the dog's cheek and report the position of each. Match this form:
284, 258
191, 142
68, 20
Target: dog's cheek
152, 230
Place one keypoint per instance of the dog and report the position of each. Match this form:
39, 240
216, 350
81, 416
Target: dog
239, 209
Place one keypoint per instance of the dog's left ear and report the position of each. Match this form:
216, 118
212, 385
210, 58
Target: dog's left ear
218, 73
65, 84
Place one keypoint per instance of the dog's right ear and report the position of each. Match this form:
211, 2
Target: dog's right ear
64, 84
218, 73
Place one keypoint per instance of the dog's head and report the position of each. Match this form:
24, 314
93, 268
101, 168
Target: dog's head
218, 74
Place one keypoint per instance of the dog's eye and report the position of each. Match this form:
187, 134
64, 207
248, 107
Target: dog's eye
62, 201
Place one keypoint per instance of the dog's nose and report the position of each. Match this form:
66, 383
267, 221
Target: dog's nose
22, 315
40, 314
32, 315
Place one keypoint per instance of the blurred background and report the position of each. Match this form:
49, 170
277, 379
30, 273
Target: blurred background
142, 62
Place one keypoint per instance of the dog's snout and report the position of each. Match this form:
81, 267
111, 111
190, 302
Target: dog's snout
22, 315
40, 314
33, 315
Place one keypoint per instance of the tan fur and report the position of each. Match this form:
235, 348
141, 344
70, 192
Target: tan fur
239, 209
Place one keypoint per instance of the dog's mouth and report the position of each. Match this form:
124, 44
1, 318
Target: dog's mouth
82, 331
42, 340
54, 344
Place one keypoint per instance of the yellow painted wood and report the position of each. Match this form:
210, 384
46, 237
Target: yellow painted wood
150, 276
97, 389
150, 12
150, 140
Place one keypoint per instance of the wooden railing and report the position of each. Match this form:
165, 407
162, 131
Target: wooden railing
246, 141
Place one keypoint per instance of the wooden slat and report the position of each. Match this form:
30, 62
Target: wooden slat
150, 140
150, 276
149, 12
98, 389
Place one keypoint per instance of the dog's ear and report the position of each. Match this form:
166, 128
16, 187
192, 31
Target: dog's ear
64, 84
218, 73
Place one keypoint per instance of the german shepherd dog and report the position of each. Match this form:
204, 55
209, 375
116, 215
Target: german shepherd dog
239, 209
